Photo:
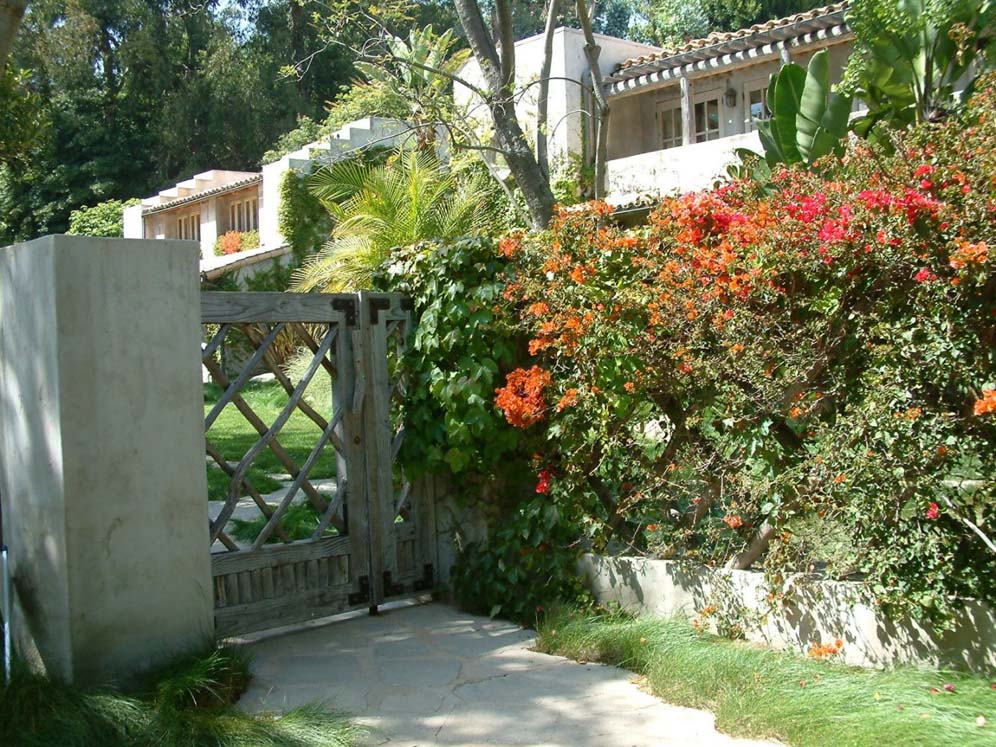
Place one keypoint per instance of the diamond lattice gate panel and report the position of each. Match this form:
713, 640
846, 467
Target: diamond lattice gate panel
309, 514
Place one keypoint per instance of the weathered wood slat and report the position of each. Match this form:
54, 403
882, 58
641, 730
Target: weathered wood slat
262, 505
222, 307
283, 610
244, 375
266, 577
357, 340
285, 382
223, 564
274, 445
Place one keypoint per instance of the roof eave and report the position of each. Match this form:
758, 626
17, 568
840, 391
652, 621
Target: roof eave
758, 39
201, 196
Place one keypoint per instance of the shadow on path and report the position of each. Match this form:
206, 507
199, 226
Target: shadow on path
431, 675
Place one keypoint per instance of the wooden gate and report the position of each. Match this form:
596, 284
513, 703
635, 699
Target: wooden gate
310, 513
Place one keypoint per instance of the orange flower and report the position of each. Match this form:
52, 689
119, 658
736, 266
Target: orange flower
509, 245
826, 650
629, 386
733, 521
795, 412
538, 309
968, 253
987, 404
522, 398
569, 399
842, 477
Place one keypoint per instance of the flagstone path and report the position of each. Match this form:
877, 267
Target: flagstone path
431, 675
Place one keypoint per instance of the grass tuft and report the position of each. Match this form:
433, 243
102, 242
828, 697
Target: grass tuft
762, 693
186, 703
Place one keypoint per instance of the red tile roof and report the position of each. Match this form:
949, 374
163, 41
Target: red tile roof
760, 30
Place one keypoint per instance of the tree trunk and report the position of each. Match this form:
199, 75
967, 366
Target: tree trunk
11, 13
592, 51
512, 142
755, 549
543, 105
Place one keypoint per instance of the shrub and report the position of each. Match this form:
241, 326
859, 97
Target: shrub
764, 365
233, 242
458, 354
103, 219
301, 218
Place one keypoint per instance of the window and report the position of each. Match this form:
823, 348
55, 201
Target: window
670, 126
757, 106
244, 215
707, 120
189, 227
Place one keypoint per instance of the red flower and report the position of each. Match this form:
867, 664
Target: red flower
933, 511
924, 275
543, 485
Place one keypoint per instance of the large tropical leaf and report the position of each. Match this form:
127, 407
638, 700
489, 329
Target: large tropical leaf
784, 95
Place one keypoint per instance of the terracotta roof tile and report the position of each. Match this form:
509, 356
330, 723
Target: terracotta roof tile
719, 37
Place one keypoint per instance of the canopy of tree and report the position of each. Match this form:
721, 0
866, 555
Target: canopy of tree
128, 96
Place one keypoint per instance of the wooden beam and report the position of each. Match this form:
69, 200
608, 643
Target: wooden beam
687, 112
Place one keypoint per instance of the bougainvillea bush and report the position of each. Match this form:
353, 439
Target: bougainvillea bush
792, 375
463, 347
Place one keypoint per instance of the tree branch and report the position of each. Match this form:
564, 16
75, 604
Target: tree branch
11, 13
542, 106
592, 51
507, 41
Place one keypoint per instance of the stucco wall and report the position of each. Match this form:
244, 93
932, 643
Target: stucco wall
566, 123
684, 169
812, 611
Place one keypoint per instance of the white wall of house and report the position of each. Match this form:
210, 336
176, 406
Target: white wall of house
361, 133
567, 122
652, 149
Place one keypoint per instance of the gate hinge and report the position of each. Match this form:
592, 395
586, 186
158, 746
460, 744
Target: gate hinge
428, 579
392, 590
363, 595
347, 305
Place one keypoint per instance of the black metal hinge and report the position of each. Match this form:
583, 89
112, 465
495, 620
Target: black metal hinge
363, 595
392, 590
347, 305
428, 579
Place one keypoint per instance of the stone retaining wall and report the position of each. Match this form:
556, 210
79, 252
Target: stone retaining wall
811, 611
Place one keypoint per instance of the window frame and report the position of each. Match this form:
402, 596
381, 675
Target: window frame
672, 108
709, 133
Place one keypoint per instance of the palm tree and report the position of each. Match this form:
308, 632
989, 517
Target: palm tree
410, 198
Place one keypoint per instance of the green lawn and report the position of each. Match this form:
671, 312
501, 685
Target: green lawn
760, 693
232, 434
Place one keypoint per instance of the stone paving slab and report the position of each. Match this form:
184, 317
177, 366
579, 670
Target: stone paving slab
431, 675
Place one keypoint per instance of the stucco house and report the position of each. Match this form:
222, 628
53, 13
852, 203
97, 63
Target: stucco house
677, 114
211, 203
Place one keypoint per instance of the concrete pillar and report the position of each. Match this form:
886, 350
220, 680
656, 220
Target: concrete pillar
102, 474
